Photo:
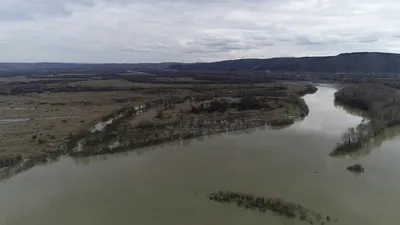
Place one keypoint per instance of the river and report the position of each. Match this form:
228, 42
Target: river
169, 184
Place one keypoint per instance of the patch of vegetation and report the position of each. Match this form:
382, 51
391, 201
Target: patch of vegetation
213, 106
10, 160
251, 103
382, 104
276, 205
245, 103
357, 168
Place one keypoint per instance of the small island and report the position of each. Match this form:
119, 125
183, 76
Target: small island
357, 168
276, 205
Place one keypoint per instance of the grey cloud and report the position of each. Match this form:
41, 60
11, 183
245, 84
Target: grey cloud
212, 44
307, 41
23, 10
367, 39
283, 39
225, 44
192, 30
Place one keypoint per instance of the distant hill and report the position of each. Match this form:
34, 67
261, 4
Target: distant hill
82, 68
369, 62
362, 62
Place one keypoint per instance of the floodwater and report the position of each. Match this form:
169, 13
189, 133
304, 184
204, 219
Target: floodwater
169, 184
14, 120
28, 119
101, 125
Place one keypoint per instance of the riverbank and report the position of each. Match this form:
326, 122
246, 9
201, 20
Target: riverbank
84, 124
180, 119
382, 107
37, 127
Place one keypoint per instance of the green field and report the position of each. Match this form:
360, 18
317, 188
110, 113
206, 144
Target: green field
103, 83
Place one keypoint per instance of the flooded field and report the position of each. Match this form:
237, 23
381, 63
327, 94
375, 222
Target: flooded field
170, 184
14, 120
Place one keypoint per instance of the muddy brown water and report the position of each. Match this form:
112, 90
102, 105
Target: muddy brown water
169, 184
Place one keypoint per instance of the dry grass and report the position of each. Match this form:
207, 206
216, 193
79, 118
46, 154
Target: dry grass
181, 112
168, 115
195, 85
53, 117
179, 79
17, 79
29, 79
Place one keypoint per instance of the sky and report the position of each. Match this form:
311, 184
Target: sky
95, 31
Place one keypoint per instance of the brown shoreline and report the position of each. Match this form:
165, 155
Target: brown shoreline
130, 137
122, 131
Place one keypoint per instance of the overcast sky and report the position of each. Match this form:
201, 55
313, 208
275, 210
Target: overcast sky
193, 30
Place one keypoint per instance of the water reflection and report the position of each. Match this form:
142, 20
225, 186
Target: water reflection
202, 131
350, 110
23, 167
324, 117
125, 188
372, 143
185, 142
376, 142
88, 160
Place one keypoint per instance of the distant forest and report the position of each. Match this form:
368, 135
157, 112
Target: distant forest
368, 62
363, 62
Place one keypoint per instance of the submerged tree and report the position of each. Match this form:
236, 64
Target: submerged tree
353, 139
